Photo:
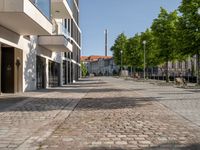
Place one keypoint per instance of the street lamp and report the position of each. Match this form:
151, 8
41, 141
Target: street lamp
121, 59
144, 44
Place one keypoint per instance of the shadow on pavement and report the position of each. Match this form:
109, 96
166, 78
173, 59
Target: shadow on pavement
48, 104
6, 102
166, 146
174, 93
112, 103
174, 146
44, 103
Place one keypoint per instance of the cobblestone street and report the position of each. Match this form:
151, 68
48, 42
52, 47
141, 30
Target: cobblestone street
102, 114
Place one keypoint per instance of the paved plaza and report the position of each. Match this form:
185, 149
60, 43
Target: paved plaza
102, 114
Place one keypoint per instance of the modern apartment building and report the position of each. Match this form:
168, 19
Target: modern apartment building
40, 44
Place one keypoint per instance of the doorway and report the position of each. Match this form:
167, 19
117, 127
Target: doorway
7, 70
11, 69
64, 72
54, 74
41, 67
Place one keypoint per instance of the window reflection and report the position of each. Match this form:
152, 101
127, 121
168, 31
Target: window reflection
44, 6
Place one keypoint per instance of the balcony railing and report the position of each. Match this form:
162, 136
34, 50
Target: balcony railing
59, 29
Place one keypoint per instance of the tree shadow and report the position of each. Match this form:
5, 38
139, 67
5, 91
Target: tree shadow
174, 146
42, 104
105, 148
175, 93
6, 102
165, 146
30, 67
109, 103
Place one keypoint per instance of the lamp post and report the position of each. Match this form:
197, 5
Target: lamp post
144, 44
121, 59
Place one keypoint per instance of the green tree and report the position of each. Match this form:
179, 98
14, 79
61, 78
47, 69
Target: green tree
120, 45
84, 69
152, 50
189, 27
134, 57
164, 29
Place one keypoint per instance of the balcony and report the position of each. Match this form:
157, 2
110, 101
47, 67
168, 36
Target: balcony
24, 18
60, 9
59, 42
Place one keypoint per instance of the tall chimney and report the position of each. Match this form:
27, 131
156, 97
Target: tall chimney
106, 42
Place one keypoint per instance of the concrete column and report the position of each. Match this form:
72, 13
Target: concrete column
47, 73
0, 69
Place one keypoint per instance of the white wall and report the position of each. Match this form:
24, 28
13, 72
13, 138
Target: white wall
30, 50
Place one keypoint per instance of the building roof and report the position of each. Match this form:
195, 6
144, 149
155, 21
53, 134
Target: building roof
94, 58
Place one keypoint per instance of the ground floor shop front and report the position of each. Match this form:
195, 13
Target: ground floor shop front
16, 75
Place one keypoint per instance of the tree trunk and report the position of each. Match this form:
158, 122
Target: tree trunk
167, 71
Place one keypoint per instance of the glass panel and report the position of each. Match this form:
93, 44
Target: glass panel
70, 2
44, 6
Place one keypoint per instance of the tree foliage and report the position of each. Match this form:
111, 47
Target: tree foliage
84, 70
120, 45
152, 58
164, 29
134, 57
173, 36
189, 26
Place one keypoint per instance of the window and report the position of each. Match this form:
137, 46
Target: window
44, 6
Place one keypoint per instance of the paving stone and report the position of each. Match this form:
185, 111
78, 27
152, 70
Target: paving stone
121, 142
111, 114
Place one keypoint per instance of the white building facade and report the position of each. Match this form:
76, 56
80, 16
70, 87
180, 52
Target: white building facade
39, 44
102, 67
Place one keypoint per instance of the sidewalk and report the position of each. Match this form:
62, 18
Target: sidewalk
112, 116
33, 116
162, 82
98, 114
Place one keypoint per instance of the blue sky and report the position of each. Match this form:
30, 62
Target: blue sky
128, 16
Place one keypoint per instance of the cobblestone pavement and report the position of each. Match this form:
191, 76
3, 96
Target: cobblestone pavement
115, 115
185, 102
33, 116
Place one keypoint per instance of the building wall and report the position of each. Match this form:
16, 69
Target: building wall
101, 67
28, 49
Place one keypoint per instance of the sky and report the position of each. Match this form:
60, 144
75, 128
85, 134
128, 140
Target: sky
127, 16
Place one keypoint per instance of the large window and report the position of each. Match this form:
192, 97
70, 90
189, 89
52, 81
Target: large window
70, 2
44, 6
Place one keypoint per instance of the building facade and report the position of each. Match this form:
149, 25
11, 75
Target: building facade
40, 44
100, 65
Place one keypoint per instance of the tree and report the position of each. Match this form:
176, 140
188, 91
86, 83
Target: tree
189, 30
120, 45
84, 70
152, 58
134, 57
164, 30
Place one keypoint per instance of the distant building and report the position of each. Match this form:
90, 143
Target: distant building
100, 65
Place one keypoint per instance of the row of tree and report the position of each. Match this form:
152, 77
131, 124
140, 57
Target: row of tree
172, 36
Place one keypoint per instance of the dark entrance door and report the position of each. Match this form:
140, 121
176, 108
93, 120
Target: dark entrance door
40, 72
54, 74
64, 72
7, 72
69, 72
